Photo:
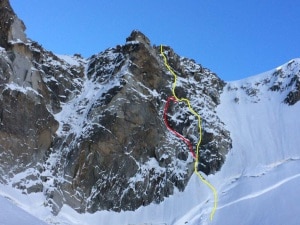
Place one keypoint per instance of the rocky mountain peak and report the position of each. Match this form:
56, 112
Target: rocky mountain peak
91, 131
139, 37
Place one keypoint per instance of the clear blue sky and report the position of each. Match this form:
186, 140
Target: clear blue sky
234, 38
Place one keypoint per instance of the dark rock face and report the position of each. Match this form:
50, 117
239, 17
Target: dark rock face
27, 126
294, 85
202, 88
26, 129
27, 101
90, 133
287, 79
122, 159
7, 16
294, 96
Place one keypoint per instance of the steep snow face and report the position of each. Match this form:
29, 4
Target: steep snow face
12, 214
259, 181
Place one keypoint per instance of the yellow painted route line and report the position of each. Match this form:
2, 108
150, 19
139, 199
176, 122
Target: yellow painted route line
200, 134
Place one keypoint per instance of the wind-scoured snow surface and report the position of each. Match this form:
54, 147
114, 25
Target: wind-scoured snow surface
258, 183
10, 214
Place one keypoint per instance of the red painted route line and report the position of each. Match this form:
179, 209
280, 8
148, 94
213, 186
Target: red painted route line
187, 141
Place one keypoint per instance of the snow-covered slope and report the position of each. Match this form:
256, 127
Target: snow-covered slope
258, 183
10, 214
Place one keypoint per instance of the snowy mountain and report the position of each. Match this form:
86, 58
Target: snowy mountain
90, 133
258, 182
84, 141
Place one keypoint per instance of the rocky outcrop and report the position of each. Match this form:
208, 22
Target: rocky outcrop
203, 89
115, 152
90, 133
7, 18
293, 86
27, 126
27, 100
121, 158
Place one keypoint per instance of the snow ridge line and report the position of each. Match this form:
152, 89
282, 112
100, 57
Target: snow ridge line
187, 141
185, 100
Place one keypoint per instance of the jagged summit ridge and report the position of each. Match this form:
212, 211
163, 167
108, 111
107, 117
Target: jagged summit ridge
283, 81
138, 36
